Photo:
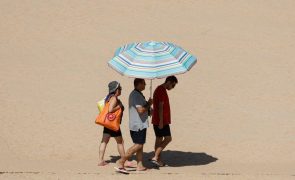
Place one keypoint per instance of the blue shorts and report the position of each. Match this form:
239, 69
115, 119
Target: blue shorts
138, 137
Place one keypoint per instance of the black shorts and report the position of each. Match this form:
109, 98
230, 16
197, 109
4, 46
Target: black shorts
165, 131
111, 132
138, 137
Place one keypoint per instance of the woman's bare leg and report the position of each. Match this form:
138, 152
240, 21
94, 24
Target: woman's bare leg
102, 148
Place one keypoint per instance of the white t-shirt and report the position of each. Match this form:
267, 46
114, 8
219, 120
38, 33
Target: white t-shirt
137, 121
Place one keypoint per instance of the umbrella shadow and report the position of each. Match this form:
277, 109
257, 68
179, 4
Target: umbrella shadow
176, 158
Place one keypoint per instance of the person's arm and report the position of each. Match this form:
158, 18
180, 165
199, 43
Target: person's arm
114, 106
145, 108
161, 104
141, 109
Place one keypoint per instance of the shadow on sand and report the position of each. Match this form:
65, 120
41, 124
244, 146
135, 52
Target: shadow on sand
176, 158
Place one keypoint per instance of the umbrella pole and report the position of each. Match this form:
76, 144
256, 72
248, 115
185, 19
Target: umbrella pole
151, 88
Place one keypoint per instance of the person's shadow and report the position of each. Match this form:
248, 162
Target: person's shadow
176, 158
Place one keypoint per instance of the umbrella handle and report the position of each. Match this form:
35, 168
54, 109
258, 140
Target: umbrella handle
151, 88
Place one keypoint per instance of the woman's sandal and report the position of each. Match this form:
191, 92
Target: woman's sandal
103, 163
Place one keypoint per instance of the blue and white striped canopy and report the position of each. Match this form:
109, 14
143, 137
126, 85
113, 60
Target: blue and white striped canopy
149, 60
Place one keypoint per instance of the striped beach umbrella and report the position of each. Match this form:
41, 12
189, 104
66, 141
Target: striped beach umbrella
150, 60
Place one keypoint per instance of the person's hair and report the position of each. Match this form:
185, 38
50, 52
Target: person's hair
171, 79
137, 81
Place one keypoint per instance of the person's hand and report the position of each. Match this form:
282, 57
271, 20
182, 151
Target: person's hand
150, 101
151, 111
161, 125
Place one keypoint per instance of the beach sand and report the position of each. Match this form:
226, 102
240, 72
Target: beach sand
232, 114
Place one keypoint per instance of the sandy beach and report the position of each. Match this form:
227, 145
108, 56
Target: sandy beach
233, 113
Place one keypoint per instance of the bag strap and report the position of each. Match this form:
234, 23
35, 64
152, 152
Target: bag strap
107, 103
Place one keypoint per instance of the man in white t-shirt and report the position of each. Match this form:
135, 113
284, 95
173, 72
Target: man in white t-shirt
139, 110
